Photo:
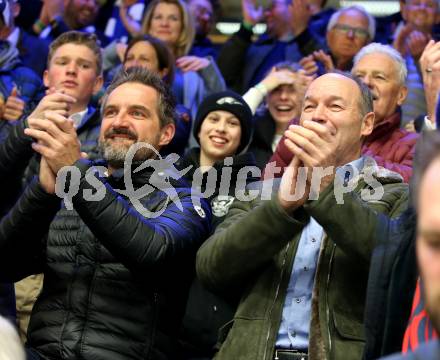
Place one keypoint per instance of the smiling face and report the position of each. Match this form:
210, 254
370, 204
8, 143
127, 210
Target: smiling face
219, 135
144, 55
81, 13
284, 104
334, 101
166, 23
379, 72
428, 239
130, 116
349, 35
73, 70
422, 14
203, 14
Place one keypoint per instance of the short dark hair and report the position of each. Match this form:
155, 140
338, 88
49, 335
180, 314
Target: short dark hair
77, 38
427, 150
164, 56
366, 99
166, 104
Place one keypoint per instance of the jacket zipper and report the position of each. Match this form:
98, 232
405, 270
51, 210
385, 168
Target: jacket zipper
275, 298
327, 304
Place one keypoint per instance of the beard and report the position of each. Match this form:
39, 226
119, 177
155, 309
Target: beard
115, 151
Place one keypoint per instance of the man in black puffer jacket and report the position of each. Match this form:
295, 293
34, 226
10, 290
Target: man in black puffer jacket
117, 266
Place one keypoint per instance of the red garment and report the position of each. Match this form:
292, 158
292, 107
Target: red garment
391, 147
419, 329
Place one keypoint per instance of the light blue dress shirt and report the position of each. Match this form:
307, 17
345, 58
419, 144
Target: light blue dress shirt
295, 322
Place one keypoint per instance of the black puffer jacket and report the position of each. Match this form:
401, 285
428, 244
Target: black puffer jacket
115, 282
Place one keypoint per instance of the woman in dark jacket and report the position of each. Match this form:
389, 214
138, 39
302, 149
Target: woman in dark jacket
223, 128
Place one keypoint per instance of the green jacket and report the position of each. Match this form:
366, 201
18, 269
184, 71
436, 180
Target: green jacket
252, 252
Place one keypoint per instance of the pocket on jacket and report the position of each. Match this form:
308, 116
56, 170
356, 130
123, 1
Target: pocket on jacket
347, 327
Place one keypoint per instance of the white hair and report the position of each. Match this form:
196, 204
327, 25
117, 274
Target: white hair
10, 344
393, 54
371, 22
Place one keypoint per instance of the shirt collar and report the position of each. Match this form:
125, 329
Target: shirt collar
78, 118
348, 171
13, 37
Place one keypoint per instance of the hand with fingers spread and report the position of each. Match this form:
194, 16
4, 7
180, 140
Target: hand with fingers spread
192, 63
400, 42
252, 13
54, 101
416, 43
56, 138
299, 16
308, 63
325, 59
14, 106
277, 77
430, 68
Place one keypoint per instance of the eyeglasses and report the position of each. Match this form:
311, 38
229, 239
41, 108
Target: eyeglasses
357, 32
420, 5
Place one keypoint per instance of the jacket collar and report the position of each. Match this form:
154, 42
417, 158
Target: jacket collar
387, 126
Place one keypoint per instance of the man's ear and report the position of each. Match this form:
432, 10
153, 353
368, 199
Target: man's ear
98, 84
401, 96
367, 124
46, 78
167, 134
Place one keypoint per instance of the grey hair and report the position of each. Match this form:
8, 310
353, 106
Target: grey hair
393, 54
371, 22
366, 98
166, 103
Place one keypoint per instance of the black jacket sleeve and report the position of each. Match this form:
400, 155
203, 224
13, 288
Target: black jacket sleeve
22, 233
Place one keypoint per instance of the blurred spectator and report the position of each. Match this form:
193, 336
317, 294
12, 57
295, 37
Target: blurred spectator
348, 30
195, 77
204, 18
223, 129
10, 344
125, 15
410, 40
153, 54
59, 16
244, 63
33, 51
383, 70
282, 92
430, 71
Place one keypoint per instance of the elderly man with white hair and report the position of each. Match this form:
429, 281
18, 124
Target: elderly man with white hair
384, 71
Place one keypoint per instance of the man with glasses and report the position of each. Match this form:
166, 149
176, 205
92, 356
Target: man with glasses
348, 30
245, 63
